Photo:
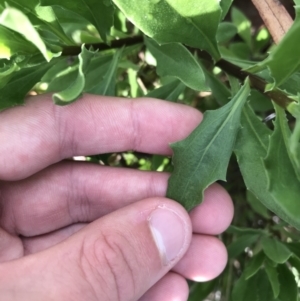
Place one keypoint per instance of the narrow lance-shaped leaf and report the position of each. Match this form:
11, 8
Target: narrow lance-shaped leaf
283, 183
251, 147
203, 157
19, 22
107, 85
98, 12
193, 22
175, 60
75, 90
273, 278
283, 61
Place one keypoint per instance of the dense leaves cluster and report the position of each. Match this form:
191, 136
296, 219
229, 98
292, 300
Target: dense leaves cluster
184, 51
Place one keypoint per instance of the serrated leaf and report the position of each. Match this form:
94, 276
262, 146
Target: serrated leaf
251, 147
175, 60
254, 265
16, 20
14, 92
107, 85
75, 90
283, 60
283, 184
275, 250
240, 244
202, 158
273, 278
288, 285
193, 23
170, 91
98, 12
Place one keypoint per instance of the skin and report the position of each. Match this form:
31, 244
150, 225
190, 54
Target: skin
78, 231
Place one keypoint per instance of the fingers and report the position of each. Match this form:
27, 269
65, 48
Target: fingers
205, 259
92, 125
215, 214
10, 246
170, 287
118, 257
69, 193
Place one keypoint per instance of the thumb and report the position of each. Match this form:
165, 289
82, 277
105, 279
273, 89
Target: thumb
118, 257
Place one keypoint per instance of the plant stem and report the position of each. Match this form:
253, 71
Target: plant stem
256, 82
275, 16
75, 50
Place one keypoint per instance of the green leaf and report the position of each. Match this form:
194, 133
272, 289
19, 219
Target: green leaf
240, 244
15, 20
170, 91
273, 278
283, 176
193, 23
14, 92
226, 32
221, 93
203, 157
254, 265
294, 247
241, 231
12, 43
175, 60
256, 205
7, 72
243, 25
275, 250
75, 90
251, 147
108, 83
259, 102
288, 285
283, 60
225, 5
41, 17
199, 291
98, 12
257, 288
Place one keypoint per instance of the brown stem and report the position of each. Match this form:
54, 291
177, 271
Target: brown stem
75, 50
275, 16
257, 83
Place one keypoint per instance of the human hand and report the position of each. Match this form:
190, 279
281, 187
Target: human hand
77, 231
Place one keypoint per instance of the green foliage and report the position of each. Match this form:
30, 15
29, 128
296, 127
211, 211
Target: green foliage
192, 52
206, 145
165, 21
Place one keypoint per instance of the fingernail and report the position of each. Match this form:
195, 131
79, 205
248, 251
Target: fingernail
169, 231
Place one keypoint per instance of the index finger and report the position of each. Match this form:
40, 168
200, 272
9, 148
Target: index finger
40, 133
